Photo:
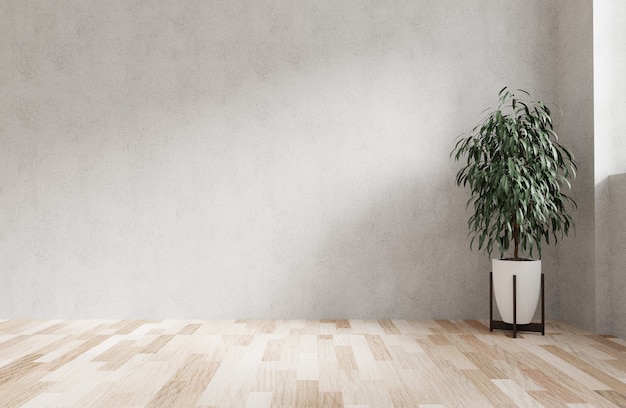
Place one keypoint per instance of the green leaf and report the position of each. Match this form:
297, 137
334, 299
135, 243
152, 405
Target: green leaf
515, 169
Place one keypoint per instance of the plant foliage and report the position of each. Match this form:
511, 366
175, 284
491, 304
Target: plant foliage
515, 170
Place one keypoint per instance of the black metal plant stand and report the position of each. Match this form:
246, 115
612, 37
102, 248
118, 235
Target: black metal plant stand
530, 327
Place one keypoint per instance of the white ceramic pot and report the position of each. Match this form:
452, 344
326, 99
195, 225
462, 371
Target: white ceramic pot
528, 284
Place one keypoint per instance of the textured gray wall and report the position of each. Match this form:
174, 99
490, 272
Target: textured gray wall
617, 255
573, 276
610, 148
256, 159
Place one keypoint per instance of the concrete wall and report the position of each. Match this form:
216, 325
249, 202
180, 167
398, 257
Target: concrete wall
610, 147
258, 159
617, 255
573, 276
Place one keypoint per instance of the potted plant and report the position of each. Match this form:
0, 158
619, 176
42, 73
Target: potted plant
516, 169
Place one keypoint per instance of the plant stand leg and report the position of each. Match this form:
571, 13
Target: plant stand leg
530, 327
490, 301
514, 306
543, 308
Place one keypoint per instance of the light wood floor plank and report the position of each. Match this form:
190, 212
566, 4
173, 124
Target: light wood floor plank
377, 347
489, 389
517, 394
305, 363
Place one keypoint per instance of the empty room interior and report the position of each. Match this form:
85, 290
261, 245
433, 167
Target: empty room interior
255, 204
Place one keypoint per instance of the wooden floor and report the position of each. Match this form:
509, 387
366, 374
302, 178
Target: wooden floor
297, 363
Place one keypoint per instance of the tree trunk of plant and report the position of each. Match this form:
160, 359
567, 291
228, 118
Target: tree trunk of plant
516, 240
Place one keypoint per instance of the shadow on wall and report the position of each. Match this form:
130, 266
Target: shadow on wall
404, 254
617, 255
